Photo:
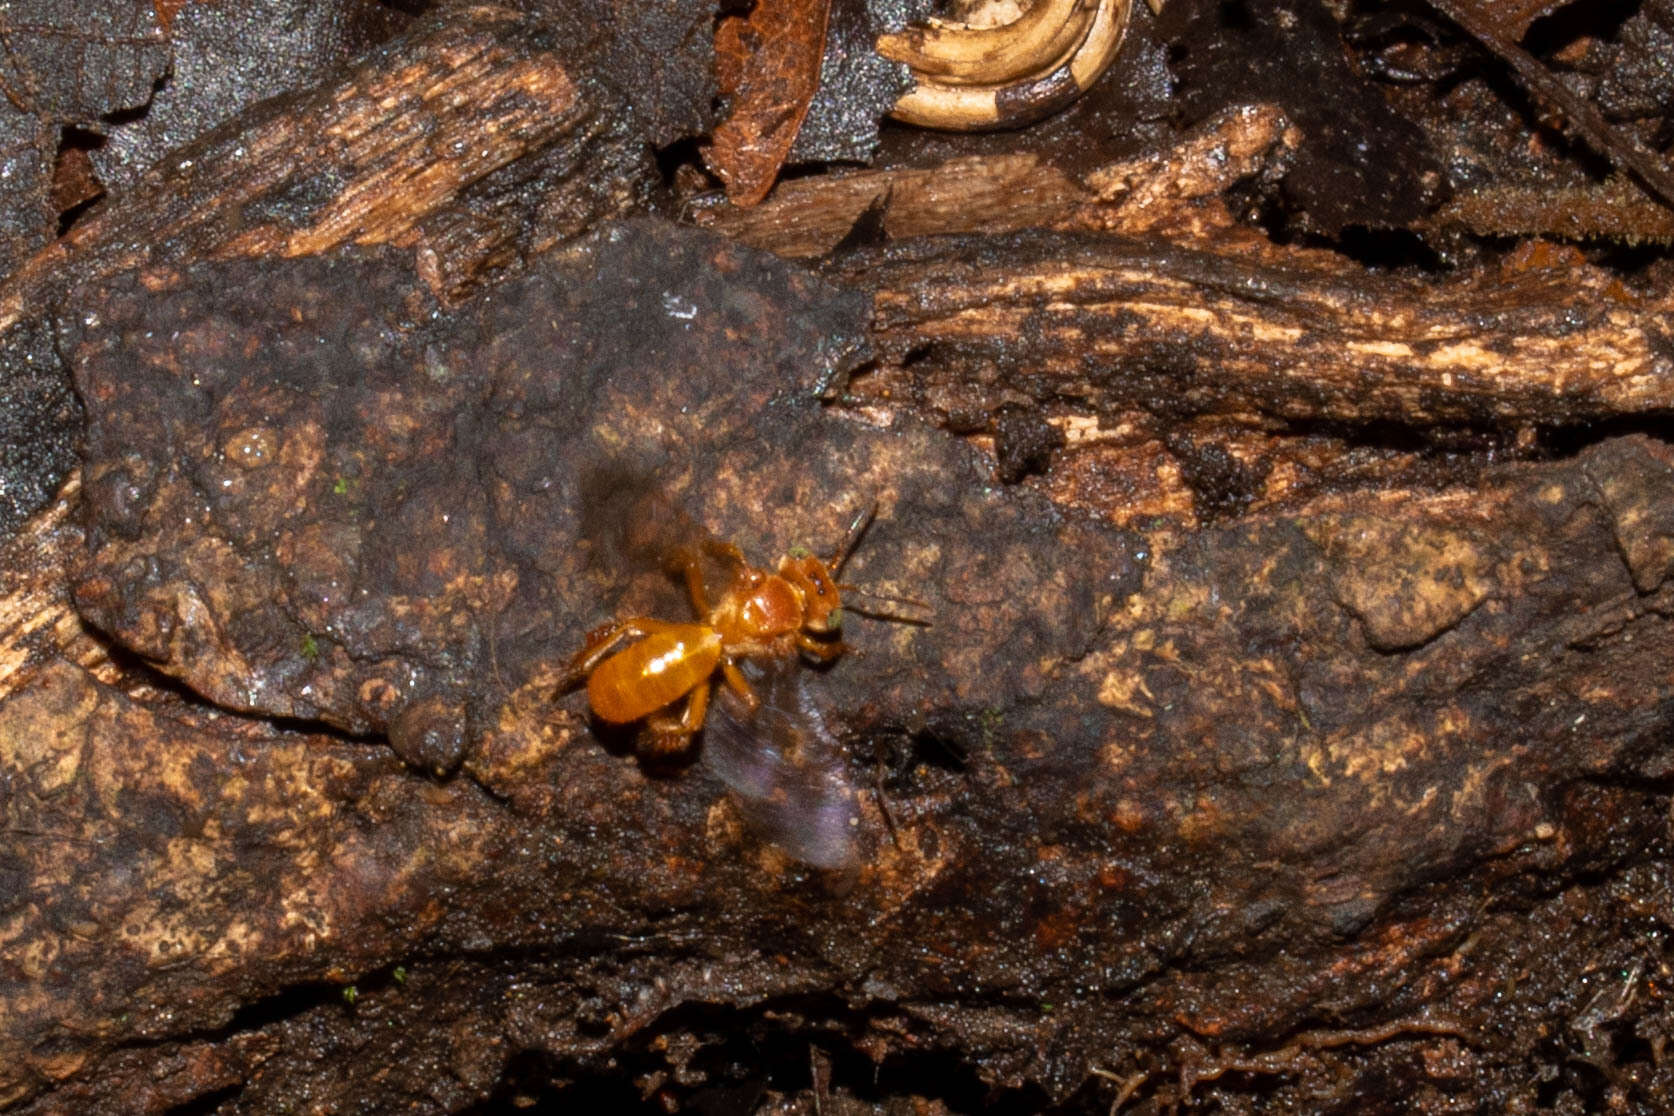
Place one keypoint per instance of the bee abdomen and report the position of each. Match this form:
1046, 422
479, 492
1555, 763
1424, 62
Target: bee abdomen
653, 672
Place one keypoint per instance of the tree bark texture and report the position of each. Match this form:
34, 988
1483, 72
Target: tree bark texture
1248, 750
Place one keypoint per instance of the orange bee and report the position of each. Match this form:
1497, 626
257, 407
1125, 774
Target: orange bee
761, 616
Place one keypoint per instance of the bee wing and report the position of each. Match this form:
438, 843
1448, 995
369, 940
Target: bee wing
634, 525
784, 767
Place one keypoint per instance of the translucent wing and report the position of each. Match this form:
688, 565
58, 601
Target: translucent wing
784, 767
633, 525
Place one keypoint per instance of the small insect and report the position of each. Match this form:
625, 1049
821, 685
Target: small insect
763, 616
734, 672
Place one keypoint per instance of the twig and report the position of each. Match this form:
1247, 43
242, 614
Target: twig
1646, 166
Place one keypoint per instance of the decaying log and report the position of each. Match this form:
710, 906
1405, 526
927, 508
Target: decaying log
470, 141
450, 140
1173, 309
1337, 788
1163, 328
1197, 770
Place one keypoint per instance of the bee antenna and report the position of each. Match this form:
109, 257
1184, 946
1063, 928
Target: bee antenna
857, 530
880, 614
893, 617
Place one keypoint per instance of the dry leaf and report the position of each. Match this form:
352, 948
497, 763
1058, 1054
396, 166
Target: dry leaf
768, 65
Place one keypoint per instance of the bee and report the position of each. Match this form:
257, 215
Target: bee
791, 612
733, 672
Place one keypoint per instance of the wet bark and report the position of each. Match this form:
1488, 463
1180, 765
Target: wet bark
1249, 743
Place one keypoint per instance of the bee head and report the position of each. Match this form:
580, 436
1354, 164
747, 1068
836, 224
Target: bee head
823, 605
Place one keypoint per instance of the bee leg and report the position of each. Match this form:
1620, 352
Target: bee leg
688, 563
697, 706
685, 561
738, 684
694, 586
602, 640
822, 649
667, 736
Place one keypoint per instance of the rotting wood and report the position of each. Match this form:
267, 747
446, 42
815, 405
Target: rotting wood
1171, 832
37, 622
1177, 190
1188, 331
1252, 796
472, 141
478, 101
1211, 320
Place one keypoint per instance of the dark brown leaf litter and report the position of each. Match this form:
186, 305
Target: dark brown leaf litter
39, 422
313, 495
659, 56
1360, 162
80, 59
768, 65
1263, 792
